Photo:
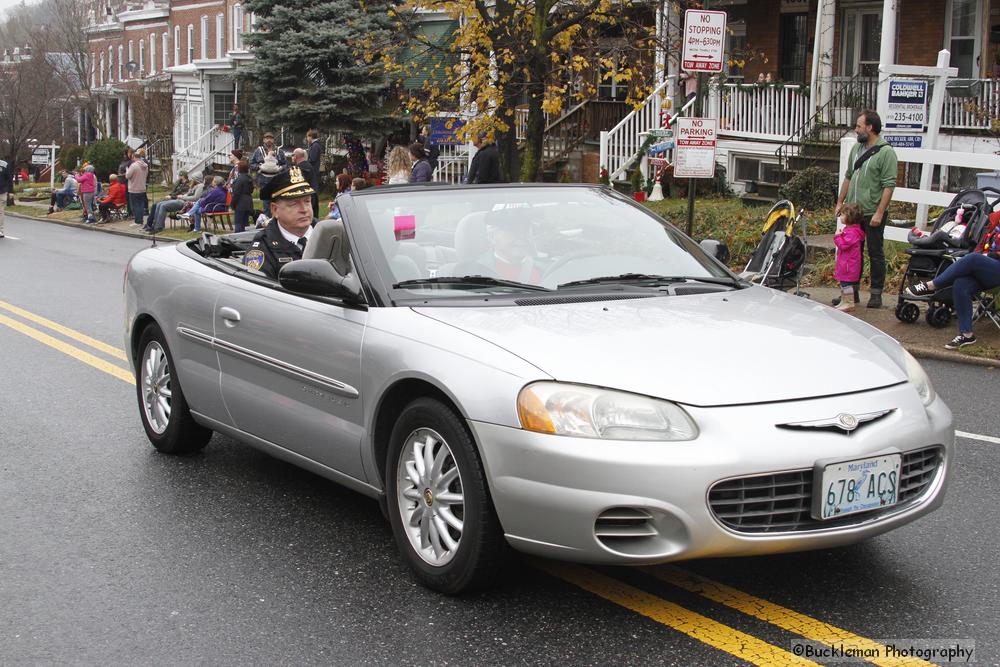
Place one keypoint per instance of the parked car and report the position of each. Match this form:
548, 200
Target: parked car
549, 367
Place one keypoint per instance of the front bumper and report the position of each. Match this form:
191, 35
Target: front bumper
550, 491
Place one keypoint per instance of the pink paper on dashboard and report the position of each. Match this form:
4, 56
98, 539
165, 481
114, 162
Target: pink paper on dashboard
405, 227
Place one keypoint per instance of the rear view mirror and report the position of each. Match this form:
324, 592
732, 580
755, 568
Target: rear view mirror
716, 249
317, 277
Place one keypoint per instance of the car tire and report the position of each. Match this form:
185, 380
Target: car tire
162, 406
421, 502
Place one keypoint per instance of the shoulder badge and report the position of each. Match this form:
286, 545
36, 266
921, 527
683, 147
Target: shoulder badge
253, 260
295, 175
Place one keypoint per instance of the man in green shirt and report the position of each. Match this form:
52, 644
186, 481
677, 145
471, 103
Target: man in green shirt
869, 181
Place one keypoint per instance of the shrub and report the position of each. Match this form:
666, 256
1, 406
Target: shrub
70, 155
812, 189
105, 155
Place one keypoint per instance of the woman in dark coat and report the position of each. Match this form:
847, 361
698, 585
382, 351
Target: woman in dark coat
421, 171
242, 199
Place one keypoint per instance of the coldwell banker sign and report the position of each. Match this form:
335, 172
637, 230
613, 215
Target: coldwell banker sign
906, 110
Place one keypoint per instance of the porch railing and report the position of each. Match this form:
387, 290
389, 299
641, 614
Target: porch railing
205, 149
620, 145
762, 112
974, 113
453, 163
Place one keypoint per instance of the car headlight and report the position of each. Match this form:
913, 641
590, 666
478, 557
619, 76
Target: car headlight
590, 412
919, 379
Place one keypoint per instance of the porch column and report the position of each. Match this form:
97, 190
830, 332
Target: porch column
828, 17
107, 117
887, 56
131, 120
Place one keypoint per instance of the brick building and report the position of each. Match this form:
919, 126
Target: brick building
188, 48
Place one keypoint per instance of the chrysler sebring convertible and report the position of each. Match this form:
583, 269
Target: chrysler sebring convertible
551, 368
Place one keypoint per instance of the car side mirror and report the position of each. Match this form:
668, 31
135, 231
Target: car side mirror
716, 249
317, 277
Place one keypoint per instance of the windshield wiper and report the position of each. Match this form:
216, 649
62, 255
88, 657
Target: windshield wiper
469, 280
653, 279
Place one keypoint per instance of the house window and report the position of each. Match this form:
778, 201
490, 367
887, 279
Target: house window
862, 41
190, 53
111, 64
222, 107
220, 35
611, 86
142, 57
177, 45
237, 27
152, 53
736, 46
131, 58
165, 48
121, 54
752, 169
204, 37
102, 70
964, 21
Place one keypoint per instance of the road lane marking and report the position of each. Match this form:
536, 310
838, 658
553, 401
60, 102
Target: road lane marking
976, 436
66, 348
715, 634
775, 614
110, 350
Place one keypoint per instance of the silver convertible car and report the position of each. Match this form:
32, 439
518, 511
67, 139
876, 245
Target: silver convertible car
545, 367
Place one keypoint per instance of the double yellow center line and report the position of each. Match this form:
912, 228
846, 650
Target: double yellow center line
64, 347
697, 626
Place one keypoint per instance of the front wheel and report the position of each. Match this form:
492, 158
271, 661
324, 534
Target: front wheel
162, 406
439, 503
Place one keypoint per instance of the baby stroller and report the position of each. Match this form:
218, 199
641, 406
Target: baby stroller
780, 257
956, 232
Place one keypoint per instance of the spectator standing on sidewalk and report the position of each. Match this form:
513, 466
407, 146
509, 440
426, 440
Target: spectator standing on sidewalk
242, 196
6, 187
300, 158
421, 170
315, 151
485, 167
430, 148
136, 175
236, 123
398, 166
869, 182
88, 184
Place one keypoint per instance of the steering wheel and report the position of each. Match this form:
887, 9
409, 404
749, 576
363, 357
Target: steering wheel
566, 259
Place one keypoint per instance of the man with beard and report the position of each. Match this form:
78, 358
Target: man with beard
869, 182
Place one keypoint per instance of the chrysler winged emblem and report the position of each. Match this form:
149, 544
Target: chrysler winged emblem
845, 421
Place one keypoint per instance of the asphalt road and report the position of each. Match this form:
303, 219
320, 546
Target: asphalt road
112, 554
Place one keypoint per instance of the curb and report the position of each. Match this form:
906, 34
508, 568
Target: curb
97, 228
944, 355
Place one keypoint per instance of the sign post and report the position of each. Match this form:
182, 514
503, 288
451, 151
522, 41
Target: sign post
46, 155
704, 45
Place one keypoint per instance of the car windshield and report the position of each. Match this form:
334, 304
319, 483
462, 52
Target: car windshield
511, 240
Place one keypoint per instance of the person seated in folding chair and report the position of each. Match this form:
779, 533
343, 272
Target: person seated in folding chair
115, 199
211, 202
979, 271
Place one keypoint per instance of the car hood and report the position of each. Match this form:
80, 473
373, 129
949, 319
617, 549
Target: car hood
753, 345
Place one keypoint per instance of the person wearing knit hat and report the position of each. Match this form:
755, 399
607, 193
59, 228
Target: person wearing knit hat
284, 238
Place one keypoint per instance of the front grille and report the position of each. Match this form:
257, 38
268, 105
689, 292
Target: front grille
782, 502
620, 526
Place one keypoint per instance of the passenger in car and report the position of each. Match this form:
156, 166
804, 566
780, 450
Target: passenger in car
291, 224
513, 249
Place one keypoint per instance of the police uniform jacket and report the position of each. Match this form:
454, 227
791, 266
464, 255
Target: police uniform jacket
270, 250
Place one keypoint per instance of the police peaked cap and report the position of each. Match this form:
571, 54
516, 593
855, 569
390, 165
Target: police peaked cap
290, 184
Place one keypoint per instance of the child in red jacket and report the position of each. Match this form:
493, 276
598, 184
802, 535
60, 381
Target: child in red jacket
849, 241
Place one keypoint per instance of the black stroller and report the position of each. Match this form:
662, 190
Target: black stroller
955, 233
780, 257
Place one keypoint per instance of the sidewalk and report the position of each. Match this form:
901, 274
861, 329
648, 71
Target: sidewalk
921, 339
121, 227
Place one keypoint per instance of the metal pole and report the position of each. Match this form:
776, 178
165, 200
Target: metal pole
52, 166
692, 183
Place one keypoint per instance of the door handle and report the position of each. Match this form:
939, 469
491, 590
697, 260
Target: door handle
230, 316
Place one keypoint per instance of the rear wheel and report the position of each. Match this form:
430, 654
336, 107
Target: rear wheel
907, 312
164, 411
438, 501
938, 315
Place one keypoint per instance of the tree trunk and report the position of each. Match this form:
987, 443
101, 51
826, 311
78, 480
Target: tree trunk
534, 131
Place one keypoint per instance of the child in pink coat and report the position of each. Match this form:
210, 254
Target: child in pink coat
850, 242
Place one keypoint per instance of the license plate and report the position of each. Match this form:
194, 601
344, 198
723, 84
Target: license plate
848, 487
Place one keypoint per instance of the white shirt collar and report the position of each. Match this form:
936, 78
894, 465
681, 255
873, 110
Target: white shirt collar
292, 238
